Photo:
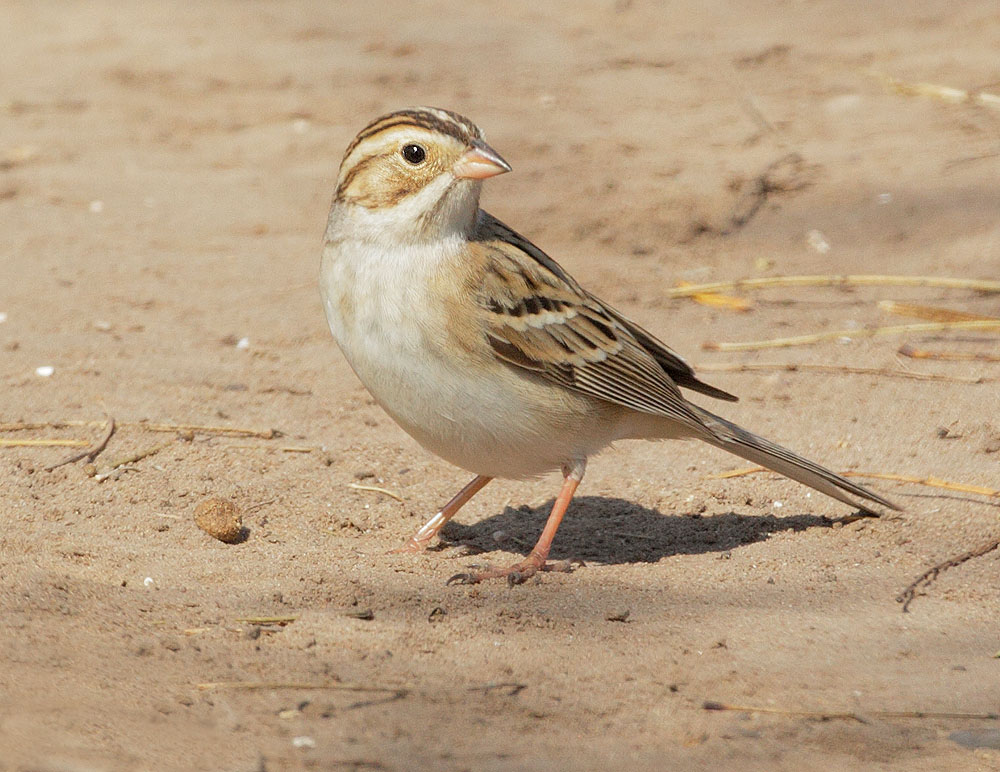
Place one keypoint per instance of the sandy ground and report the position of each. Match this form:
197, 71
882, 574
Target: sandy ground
165, 171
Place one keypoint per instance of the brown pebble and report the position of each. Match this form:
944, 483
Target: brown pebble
219, 518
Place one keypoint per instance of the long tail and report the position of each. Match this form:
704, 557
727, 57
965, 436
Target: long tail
735, 439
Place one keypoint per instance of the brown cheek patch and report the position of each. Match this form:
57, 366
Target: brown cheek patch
384, 183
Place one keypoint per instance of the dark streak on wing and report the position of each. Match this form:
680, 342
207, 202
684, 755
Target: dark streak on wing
678, 369
642, 373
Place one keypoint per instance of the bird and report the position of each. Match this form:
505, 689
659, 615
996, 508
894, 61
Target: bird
484, 349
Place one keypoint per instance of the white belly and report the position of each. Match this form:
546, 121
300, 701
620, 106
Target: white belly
393, 337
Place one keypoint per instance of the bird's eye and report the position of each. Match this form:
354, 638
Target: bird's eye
414, 154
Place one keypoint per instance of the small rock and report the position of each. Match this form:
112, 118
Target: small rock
219, 519
976, 738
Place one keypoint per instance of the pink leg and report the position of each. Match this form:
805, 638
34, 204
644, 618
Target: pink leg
536, 561
419, 541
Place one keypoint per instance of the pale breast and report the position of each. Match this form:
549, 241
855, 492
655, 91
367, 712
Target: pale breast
389, 314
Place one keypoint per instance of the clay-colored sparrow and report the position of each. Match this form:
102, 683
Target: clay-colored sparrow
482, 347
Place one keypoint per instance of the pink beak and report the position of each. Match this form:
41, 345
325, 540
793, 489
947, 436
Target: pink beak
480, 162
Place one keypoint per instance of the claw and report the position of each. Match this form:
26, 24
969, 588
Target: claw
462, 579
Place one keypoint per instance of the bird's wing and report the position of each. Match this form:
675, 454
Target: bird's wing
536, 317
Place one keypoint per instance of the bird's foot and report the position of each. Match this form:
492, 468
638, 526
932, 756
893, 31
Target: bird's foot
515, 574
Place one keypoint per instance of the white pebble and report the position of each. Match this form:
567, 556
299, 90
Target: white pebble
102, 325
303, 741
148, 581
45, 371
301, 126
818, 241
3, 317
243, 344
884, 198
842, 103
96, 206
778, 505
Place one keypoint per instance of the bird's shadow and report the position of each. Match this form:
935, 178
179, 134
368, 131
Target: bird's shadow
613, 530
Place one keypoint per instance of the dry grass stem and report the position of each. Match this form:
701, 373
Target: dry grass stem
863, 332
340, 687
949, 94
957, 356
231, 431
131, 459
927, 577
376, 489
280, 620
932, 313
839, 369
832, 280
852, 716
717, 300
43, 443
932, 482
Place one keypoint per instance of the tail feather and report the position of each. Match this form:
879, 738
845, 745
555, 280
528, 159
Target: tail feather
737, 440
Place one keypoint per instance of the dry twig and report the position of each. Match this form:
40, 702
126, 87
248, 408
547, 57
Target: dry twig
784, 175
231, 431
840, 369
826, 716
862, 332
91, 452
927, 577
398, 691
932, 482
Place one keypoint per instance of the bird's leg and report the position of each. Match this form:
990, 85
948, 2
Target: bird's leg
536, 560
419, 541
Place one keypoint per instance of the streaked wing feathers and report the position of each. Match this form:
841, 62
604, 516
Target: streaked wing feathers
537, 318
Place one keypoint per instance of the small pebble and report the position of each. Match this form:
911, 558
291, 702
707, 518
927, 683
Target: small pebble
243, 344
818, 242
976, 738
219, 519
3, 317
303, 741
96, 206
148, 581
45, 371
